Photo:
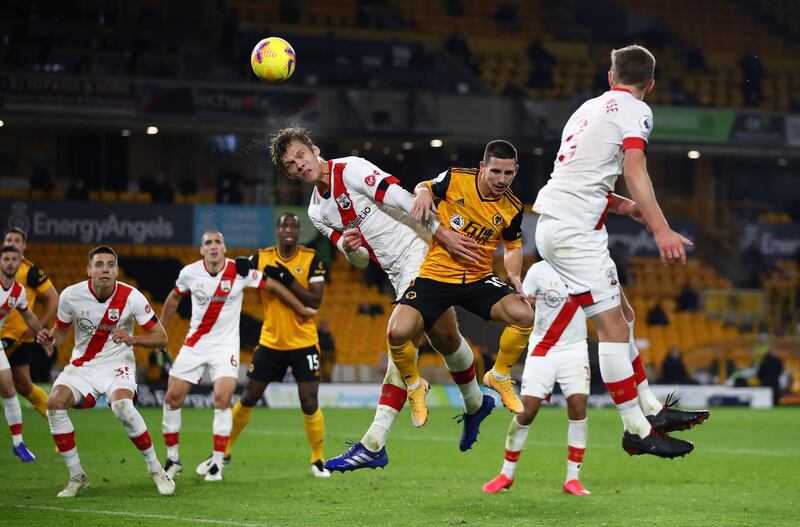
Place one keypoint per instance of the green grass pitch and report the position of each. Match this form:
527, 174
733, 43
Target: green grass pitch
744, 471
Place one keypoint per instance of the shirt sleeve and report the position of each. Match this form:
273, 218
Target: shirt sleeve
440, 184
512, 235
38, 280
636, 124
141, 310
363, 177
22, 301
317, 270
182, 283
64, 312
256, 279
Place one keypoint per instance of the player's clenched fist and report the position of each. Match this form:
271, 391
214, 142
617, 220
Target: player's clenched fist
351, 240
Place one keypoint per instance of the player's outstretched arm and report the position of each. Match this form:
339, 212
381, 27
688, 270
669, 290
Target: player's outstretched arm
285, 296
670, 243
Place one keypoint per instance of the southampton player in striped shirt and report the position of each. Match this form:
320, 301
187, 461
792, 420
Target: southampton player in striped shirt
13, 296
364, 212
216, 285
103, 312
557, 352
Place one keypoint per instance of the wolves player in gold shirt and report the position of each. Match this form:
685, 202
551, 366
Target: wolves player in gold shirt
18, 340
285, 341
478, 204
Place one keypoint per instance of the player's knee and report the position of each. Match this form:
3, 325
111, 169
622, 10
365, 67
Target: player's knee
446, 343
396, 336
172, 400
309, 405
527, 416
522, 316
121, 408
7, 391
222, 401
249, 399
576, 407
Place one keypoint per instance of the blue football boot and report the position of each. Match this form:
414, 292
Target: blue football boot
472, 423
356, 457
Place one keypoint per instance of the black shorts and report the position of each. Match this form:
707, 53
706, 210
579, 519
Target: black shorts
20, 354
432, 298
270, 365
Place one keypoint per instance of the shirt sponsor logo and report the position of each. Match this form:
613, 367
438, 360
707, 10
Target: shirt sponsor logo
360, 217
89, 327
553, 298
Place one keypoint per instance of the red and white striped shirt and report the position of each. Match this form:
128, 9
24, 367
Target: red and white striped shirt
560, 323
364, 196
94, 321
216, 303
12, 298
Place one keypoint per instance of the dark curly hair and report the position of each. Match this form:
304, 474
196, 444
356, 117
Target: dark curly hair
281, 140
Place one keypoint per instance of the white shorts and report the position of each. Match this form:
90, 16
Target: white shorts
569, 367
89, 381
192, 363
4, 365
581, 259
410, 264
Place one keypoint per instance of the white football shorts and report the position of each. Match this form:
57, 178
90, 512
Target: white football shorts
89, 381
581, 259
192, 363
569, 367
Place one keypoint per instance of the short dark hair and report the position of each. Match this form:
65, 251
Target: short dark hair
280, 141
16, 230
500, 149
282, 214
9, 249
102, 249
633, 65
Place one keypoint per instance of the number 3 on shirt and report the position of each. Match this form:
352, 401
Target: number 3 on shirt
313, 361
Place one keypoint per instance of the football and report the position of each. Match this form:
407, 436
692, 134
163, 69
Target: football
273, 59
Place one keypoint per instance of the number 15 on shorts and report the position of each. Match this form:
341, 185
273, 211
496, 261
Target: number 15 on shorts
313, 361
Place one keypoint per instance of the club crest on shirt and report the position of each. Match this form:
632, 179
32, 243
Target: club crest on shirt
113, 314
12, 301
225, 286
498, 219
298, 269
611, 274
343, 201
457, 221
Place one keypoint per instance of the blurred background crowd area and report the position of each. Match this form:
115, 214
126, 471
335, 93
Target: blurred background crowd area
152, 103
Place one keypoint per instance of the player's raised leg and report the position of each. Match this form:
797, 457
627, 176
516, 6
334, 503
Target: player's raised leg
518, 316
460, 362
370, 452
617, 372
577, 434
177, 390
404, 325
516, 437
663, 418
122, 406
62, 397
13, 412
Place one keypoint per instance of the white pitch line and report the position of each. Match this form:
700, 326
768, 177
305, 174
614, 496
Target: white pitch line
133, 515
